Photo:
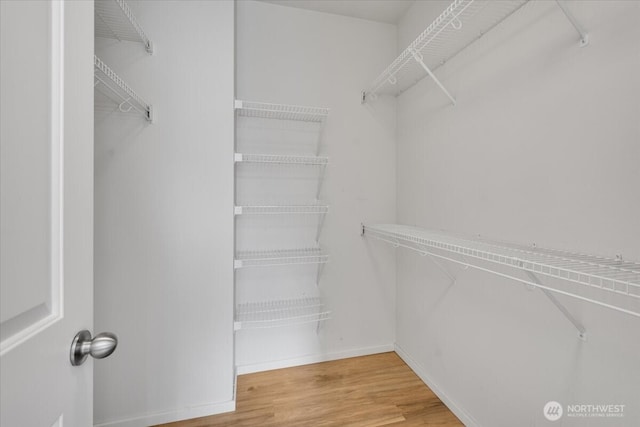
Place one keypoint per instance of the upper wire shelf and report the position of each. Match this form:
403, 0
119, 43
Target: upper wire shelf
282, 209
458, 26
599, 279
114, 19
130, 99
271, 314
281, 111
281, 159
280, 257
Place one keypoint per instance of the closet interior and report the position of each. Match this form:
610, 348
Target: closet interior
282, 201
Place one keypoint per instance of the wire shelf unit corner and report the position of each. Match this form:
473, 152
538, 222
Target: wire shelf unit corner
115, 20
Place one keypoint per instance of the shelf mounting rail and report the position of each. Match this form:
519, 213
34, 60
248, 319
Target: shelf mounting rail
610, 283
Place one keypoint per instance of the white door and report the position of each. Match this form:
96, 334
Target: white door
46, 155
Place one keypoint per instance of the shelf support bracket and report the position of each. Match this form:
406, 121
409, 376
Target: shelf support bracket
582, 332
438, 264
323, 169
319, 273
319, 140
420, 60
320, 225
584, 37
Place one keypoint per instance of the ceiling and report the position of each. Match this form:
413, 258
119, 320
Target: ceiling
388, 11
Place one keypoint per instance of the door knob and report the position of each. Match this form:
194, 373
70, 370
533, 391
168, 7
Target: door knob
101, 346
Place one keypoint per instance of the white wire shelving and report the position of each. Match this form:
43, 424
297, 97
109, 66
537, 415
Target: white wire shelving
281, 159
272, 314
114, 19
277, 159
319, 210
281, 111
457, 27
607, 282
246, 259
282, 210
131, 101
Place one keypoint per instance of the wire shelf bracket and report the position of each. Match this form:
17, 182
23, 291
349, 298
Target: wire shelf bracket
456, 28
130, 99
582, 332
609, 283
584, 36
114, 19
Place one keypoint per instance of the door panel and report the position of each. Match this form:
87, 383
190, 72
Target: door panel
30, 192
46, 173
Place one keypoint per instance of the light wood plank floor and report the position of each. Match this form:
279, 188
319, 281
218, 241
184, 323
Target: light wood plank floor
377, 390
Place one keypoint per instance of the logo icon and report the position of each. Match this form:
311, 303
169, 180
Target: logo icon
552, 411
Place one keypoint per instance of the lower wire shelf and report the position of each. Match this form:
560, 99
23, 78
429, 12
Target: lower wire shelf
273, 314
282, 210
607, 282
280, 257
281, 159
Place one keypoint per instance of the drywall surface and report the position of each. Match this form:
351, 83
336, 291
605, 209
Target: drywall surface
164, 219
294, 56
542, 147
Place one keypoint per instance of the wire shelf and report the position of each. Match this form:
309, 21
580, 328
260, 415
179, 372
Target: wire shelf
272, 314
606, 276
281, 159
463, 22
280, 257
115, 20
281, 111
282, 210
130, 99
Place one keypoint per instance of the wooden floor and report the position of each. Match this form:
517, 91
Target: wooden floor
378, 390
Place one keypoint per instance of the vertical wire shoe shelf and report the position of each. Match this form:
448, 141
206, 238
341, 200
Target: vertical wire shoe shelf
297, 310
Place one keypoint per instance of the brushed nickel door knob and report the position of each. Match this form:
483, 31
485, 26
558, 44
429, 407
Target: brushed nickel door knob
101, 346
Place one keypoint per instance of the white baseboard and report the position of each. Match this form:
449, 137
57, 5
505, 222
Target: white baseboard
171, 416
316, 358
458, 411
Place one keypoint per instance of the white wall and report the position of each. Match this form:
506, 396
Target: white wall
293, 56
542, 147
164, 219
